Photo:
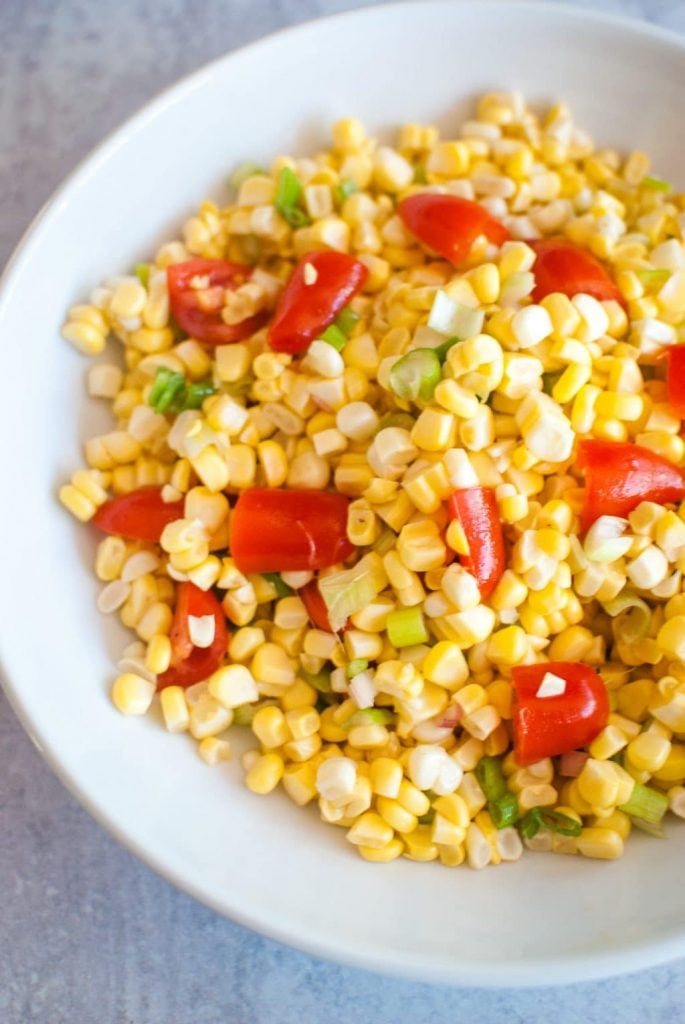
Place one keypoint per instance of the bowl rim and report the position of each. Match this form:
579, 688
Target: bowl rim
556, 969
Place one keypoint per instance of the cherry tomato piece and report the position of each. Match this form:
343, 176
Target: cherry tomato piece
191, 664
288, 531
196, 296
548, 726
675, 379
561, 266
476, 510
139, 515
319, 286
618, 476
449, 224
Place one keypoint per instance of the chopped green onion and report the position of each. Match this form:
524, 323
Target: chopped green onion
549, 380
442, 350
656, 184
396, 419
539, 817
142, 272
244, 714
415, 375
420, 175
346, 320
386, 542
335, 337
646, 805
653, 276
244, 170
287, 201
356, 666
345, 593
321, 681
167, 387
369, 716
347, 188
504, 811
282, 589
171, 393
632, 617
406, 628
491, 779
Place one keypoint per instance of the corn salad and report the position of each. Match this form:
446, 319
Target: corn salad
398, 721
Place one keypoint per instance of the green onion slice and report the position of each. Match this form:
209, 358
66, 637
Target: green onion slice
142, 272
541, 817
646, 805
406, 628
656, 184
442, 350
653, 276
347, 188
504, 811
167, 387
244, 170
356, 666
347, 592
414, 376
282, 589
288, 196
369, 716
346, 320
335, 337
321, 681
491, 779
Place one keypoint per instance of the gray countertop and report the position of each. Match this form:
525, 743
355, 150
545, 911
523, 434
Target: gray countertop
88, 934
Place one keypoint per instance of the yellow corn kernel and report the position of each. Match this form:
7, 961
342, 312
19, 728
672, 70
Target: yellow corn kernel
610, 740
213, 751
384, 854
564, 316
272, 665
471, 698
600, 843
371, 831
647, 752
299, 782
131, 694
413, 799
445, 665
396, 815
265, 774
597, 784
508, 646
448, 159
366, 737
453, 808
302, 722
386, 777
270, 727
419, 845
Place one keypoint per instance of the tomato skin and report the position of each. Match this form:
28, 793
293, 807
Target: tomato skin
315, 605
206, 325
476, 510
289, 531
305, 310
449, 224
675, 379
193, 664
548, 726
618, 476
561, 266
139, 515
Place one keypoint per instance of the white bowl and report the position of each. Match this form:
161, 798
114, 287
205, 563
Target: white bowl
264, 862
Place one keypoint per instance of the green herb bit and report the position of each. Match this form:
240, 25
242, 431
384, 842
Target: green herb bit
346, 188
142, 272
346, 320
335, 337
653, 277
442, 350
356, 666
369, 716
196, 394
243, 171
166, 389
321, 681
646, 804
554, 821
282, 589
504, 811
656, 184
491, 778
406, 628
288, 196
549, 380
415, 376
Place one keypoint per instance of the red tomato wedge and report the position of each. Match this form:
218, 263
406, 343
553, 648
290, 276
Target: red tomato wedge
315, 605
476, 510
561, 266
675, 379
191, 664
289, 531
139, 515
305, 309
448, 224
547, 726
197, 309
619, 476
